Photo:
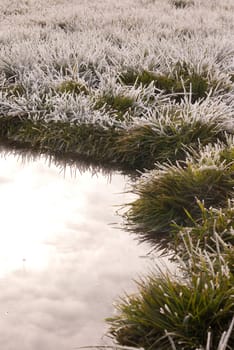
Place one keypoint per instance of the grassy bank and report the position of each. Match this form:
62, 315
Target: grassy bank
144, 89
138, 143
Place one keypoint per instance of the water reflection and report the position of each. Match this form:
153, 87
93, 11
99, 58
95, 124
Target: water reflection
61, 262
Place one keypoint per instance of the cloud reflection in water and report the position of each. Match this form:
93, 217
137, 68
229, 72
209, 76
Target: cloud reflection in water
61, 262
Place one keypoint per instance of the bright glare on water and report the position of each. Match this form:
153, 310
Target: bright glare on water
62, 261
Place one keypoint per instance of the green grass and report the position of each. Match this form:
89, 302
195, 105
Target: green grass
87, 140
166, 139
145, 78
167, 194
181, 4
15, 89
116, 106
181, 81
227, 154
72, 87
186, 310
229, 258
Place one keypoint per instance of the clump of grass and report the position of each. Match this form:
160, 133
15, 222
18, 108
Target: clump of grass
132, 77
145, 78
181, 4
88, 72
9, 126
229, 258
182, 80
166, 138
168, 193
215, 227
227, 154
168, 311
62, 68
91, 141
178, 83
10, 72
137, 145
115, 105
15, 89
199, 86
72, 87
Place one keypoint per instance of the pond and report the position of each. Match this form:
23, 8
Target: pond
63, 257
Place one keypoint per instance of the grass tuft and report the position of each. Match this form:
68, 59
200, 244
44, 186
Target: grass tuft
145, 78
72, 87
16, 90
166, 139
177, 84
181, 4
182, 80
116, 106
167, 194
138, 146
170, 309
215, 227
90, 141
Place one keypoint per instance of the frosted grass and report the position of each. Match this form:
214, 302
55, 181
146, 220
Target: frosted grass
45, 43
92, 43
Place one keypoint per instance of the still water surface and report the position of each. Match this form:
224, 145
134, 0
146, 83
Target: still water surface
62, 263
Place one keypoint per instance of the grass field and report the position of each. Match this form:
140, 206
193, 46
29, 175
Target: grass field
144, 86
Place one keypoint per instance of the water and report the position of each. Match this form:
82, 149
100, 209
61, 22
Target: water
62, 263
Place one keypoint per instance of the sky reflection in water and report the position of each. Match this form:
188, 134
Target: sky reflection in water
62, 264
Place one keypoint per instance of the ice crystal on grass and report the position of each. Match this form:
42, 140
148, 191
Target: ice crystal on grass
180, 311
215, 227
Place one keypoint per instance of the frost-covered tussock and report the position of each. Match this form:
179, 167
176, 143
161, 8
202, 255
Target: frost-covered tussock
154, 70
